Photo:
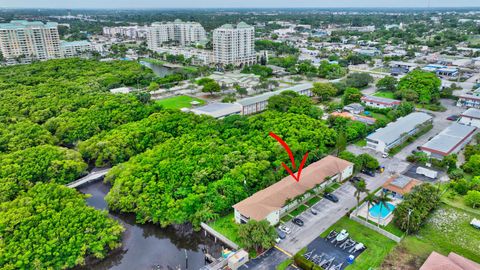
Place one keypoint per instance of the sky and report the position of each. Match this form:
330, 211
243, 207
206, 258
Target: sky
119, 4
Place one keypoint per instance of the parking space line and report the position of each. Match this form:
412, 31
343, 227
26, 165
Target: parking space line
283, 251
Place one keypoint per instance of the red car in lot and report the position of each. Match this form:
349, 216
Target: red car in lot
453, 117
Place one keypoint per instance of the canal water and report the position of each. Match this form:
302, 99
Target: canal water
148, 246
159, 70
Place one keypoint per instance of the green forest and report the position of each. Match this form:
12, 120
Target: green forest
58, 118
46, 108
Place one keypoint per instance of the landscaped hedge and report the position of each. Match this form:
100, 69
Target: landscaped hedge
305, 264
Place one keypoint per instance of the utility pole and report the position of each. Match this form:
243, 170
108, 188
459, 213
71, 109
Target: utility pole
410, 210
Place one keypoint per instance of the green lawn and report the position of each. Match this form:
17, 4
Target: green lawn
378, 246
379, 116
313, 201
384, 94
226, 225
298, 210
389, 228
457, 201
286, 218
178, 102
447, 230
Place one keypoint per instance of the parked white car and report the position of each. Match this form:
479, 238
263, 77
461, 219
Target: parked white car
284, 229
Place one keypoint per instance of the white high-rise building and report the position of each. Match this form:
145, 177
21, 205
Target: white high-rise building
234, 45
31, 40
131, 32
183, 33
75, 48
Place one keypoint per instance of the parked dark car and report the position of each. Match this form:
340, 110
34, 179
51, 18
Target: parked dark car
281, 234
355, 179
330, 197
453, 117
298, 221
369, 173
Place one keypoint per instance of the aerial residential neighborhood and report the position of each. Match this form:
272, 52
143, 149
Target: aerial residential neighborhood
272, 135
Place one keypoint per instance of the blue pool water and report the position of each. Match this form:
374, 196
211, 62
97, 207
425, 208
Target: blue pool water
375, 210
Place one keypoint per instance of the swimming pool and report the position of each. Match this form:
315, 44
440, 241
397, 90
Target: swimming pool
375, 210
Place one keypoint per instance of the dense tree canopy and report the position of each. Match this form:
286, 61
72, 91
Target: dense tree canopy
324, 91
213, 167
290, 101
22, 169
50, 227
68, 98
118, 145
425, 85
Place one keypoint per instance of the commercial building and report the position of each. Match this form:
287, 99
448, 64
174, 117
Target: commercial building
470, 99
379, 102
271, 203
182, 33
470, 117
450, 141
397, 132
29, 40
234, 45
453, 261
75, 48
218, 110
259, 103
399, 185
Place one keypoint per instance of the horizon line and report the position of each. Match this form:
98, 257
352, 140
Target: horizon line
251, 8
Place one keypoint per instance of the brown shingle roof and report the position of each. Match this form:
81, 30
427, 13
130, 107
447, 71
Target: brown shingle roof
454, 261
273, 198
401, 190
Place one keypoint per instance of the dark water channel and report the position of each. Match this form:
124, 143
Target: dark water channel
159, 70
149, 246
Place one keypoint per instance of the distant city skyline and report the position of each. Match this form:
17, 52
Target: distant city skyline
125, 4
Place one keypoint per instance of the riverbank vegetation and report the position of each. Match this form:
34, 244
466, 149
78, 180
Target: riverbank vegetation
44, 108
50, 227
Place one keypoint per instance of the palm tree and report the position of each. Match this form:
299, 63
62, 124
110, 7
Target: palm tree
370, 199
360, 187
383, 200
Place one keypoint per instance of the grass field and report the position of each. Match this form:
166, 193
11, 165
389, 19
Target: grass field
298, 210
384, 94
226, 225
447, 230
313, 201
378, 246
178, 102
389, 228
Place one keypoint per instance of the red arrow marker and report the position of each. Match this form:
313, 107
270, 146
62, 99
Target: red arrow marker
292, 158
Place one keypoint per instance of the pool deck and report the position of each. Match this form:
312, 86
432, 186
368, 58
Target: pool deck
362, 211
